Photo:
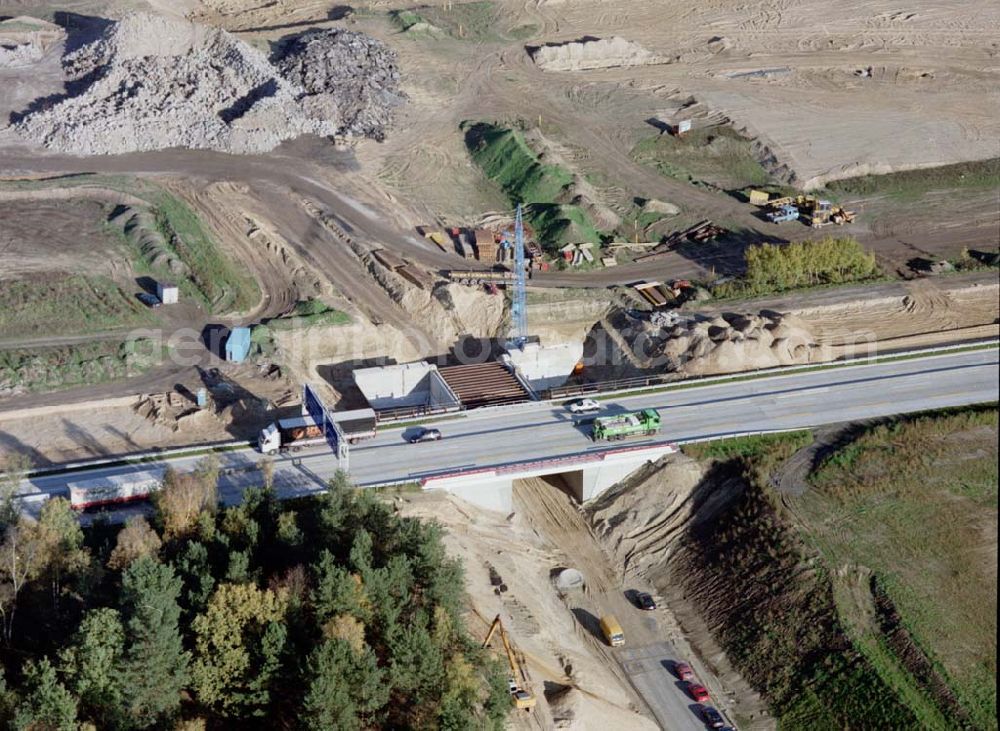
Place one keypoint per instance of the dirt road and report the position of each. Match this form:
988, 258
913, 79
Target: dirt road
647, 660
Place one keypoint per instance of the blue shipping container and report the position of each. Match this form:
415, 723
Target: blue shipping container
238, 344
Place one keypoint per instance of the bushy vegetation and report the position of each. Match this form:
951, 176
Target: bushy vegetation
60, 304
870, 600
718, 157
915, 501
772, 268
324, 613
309, 313
506, 159
766, 449
62, 366
775, 615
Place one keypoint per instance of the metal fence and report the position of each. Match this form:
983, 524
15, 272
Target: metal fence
621, 384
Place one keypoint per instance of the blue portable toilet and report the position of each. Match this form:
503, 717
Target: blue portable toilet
238, 344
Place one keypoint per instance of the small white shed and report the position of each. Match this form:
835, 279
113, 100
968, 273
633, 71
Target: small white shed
167, 293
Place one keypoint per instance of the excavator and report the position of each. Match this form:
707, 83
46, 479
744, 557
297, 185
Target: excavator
517, 682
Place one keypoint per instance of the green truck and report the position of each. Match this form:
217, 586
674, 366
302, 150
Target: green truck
631, 424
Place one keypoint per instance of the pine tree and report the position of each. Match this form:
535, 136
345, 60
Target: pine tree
94, 667
155, 662
46, 705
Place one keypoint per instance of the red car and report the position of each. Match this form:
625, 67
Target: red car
683, 671
698, 692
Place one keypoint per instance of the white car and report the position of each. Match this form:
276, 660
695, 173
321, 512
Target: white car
584, 406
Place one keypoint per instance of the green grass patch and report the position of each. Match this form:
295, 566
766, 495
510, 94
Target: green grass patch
771, 608
219, 283
718, 157
910, 185
915, 501
65, 304
82, 364
758, 446
480, 21
224, 286
506, 158
310, 313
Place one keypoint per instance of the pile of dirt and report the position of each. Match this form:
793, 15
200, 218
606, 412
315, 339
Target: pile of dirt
139, 226
733, 342
639, 519
348, 77
151, 83
593, 53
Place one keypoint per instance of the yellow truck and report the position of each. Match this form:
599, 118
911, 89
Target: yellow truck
612, 631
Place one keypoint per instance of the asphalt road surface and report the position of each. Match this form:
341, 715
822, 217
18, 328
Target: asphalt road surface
541, 430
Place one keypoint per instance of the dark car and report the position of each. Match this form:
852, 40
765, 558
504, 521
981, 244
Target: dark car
426, 435
712, 718
644, 601
150, 300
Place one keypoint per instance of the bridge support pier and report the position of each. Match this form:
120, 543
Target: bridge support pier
494, 493
591, 481
587, 475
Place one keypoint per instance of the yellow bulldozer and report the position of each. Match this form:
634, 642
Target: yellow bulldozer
520, 696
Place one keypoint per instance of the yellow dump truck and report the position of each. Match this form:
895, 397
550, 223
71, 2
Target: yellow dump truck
612, 631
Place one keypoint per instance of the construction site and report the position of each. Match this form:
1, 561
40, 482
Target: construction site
463, 209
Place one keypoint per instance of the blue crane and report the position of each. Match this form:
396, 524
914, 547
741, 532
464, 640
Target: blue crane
519, 302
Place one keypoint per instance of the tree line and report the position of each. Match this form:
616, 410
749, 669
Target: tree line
774, 268
328, 613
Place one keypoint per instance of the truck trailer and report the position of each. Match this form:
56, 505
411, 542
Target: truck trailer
303, 431
622, 426
114, 489
290, 434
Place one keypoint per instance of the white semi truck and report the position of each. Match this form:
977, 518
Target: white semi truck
302, 431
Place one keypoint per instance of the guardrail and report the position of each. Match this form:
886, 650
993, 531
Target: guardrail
706, 380
402, 413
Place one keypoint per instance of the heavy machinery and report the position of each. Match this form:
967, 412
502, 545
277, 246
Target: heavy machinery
630, 424
782, 214
520, 696
823, 213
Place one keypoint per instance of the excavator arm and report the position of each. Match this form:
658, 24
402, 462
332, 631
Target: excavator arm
519, 694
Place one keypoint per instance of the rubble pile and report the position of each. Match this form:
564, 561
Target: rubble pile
348, 77
152, 83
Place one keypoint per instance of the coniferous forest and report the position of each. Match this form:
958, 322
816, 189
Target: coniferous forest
328, 612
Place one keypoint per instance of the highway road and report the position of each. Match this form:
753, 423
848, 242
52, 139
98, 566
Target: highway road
541, 430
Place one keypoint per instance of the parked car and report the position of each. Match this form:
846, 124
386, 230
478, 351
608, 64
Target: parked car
698, 692
150, 300
683, 671
712, 718
584, 406
426, 435
644, 601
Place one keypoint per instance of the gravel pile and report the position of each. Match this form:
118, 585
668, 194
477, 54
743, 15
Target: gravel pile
20, 54
152, 83
348, 77
592, 53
